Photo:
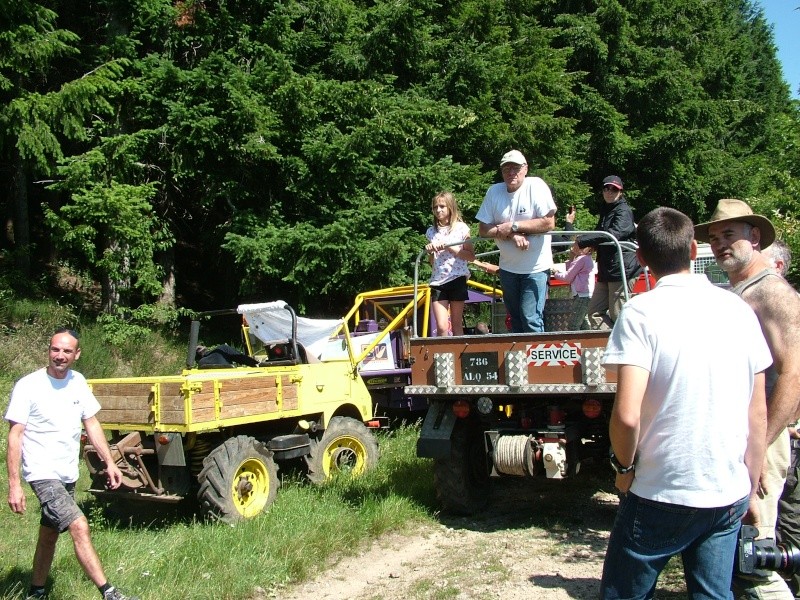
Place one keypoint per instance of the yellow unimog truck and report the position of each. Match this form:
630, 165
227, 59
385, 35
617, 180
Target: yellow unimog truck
217, 431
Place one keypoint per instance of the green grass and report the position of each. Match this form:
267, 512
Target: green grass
176, 555
165, 552
26, 327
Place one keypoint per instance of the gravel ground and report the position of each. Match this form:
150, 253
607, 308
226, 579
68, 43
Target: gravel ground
537, 540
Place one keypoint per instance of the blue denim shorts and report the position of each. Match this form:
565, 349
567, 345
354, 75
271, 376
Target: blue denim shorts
57, 500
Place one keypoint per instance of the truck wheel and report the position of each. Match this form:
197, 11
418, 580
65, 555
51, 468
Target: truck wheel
347, 446
239, 480
462, 481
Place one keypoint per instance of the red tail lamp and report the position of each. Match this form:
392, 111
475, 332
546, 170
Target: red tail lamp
592, 408
164, 439
461, 409
557, 416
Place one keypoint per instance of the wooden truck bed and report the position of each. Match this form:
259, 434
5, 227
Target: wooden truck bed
197, 401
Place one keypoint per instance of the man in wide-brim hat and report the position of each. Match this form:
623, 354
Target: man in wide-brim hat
736, 236
731, 210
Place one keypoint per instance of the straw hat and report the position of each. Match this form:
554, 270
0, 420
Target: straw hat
730, 209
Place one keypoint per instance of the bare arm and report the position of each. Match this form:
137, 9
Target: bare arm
527, 227
626, 418
486, 230
538, 225
777, 307
486, 267
465, 251
533, 226
98, 439
16, 497
756, 440
503, 232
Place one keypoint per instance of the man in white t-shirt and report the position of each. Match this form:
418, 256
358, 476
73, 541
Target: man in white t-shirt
517, 213
45, 414
688, 425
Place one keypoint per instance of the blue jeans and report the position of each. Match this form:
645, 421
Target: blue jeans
646, 534
524, 295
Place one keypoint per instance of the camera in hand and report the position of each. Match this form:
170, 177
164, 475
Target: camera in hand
754, 555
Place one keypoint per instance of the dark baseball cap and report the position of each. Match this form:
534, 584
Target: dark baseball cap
613, 180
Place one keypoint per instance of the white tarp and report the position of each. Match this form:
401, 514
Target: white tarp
270, 321
381, 357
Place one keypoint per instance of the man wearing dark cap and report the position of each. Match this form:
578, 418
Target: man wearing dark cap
616, 218
736, 236
516, 213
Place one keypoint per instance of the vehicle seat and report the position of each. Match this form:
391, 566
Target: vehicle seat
281, 354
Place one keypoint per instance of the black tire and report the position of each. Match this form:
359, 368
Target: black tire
239, 480
462, 481
347, 447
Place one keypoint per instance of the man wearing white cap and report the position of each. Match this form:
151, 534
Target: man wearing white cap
736, 236
516, 213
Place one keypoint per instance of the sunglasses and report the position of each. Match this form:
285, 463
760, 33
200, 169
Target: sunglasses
610, 188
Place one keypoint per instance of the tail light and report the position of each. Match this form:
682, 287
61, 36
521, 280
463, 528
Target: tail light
461, 409
557, 415
592, 408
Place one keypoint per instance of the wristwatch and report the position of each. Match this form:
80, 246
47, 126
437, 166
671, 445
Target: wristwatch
617, 466
515, 227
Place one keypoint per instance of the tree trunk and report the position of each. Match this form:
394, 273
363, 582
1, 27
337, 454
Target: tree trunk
167, 262
21, 232
116, 283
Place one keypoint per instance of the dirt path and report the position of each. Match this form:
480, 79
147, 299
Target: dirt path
544, 540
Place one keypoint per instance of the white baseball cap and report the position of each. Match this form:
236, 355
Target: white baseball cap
513, 156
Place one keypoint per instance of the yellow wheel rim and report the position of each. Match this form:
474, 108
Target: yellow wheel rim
345, 454
250, 487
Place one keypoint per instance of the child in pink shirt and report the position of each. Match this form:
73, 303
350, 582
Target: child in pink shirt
579, 270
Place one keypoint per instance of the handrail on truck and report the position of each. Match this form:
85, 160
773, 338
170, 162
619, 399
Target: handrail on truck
612, 240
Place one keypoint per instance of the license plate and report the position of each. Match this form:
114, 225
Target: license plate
479, 368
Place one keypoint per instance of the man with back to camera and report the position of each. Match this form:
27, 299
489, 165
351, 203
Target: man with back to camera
687, 426
516, 213
736, 236
45, 414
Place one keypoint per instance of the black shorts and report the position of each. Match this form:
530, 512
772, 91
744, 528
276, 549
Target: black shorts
453, 291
